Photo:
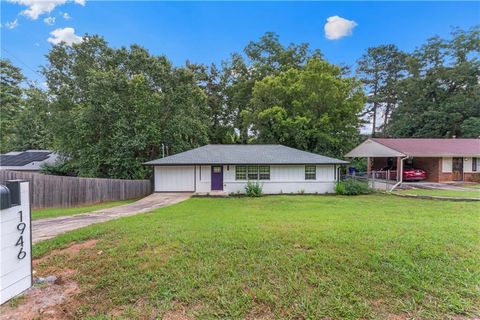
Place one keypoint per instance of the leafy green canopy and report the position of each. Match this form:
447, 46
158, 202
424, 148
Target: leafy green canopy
10, 97
113, 108
108, 110
24, 114
313, 108
440, 93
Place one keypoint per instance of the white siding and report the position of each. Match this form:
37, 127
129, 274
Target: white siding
174, 178
467, 165
204, 183
286, 179
446, 164
283, 179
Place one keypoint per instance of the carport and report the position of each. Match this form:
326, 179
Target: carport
444, 160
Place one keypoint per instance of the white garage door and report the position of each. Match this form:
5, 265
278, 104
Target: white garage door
174, 179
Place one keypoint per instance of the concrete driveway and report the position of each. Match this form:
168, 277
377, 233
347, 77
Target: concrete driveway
44, 229
437, 186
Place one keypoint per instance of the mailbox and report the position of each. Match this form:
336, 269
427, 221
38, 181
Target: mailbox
5, 202
14, 187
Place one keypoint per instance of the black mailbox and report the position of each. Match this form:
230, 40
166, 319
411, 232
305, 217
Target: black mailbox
5, 201
14, 187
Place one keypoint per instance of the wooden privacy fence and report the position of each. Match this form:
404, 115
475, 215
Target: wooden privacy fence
57, 191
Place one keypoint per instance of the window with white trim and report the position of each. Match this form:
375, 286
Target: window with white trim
310, 173
240, 172
252, 172
264, 172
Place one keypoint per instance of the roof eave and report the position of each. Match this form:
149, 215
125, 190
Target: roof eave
240, 163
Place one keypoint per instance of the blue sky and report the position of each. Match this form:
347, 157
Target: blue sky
206, 32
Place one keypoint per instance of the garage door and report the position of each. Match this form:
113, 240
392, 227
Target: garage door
174, 179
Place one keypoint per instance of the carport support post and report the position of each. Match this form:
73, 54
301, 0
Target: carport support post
399, 168
369, 166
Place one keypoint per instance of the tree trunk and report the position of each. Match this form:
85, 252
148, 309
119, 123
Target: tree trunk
374, 124
385, 119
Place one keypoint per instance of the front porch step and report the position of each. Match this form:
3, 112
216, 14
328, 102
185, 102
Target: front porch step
218, 194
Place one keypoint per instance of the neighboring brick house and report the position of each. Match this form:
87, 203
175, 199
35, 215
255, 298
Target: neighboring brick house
443, 159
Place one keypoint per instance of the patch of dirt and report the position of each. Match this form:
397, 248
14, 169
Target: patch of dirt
260, 312
177, 314
301, 247
45, 301
75, 249
42, 302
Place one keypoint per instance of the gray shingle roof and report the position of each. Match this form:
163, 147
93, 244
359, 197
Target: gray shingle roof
245, 154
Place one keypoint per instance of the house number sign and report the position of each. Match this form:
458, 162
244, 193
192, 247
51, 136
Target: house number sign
21, 226
15, 240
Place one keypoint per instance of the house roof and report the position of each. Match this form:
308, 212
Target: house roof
26, 160
245, 154
377, 147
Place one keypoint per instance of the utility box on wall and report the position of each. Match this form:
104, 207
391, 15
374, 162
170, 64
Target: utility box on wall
15, 239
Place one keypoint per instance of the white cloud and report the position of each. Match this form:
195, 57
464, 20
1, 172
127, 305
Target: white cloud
49, 20
66, 35
338, 27
12, 25
65, 15
38, 7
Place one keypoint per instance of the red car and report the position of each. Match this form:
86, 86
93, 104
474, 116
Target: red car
412, 174
409, 174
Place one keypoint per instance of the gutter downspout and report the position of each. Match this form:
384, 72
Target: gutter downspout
401, 174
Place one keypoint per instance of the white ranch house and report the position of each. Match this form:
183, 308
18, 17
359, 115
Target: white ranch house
228, 168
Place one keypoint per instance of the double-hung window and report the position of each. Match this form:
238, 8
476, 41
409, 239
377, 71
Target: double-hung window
252, 172
310, 173
264, 172
240, 172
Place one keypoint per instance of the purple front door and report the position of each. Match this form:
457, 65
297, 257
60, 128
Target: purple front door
217, 177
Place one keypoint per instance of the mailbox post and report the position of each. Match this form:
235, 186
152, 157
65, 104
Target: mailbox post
15, 239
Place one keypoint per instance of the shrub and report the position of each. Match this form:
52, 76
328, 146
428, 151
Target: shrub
61, 167
351, 187
253, 189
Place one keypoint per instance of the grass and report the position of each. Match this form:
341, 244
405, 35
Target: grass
288, 257
58, 212
442, 193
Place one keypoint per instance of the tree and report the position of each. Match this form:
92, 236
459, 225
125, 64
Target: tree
112, 109
32, 124
262, 58
442, 92
380, 69
11, 92
471, 128
314, 108
219, 117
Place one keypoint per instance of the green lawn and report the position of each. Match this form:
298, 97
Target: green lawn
279, 257
57, 212
442, 193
